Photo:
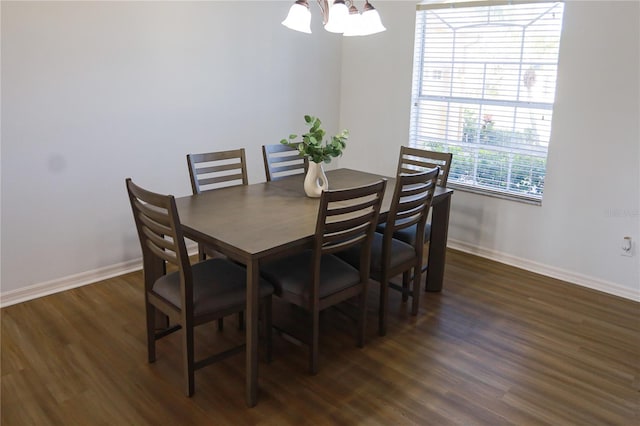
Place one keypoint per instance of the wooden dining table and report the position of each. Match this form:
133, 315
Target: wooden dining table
254, 223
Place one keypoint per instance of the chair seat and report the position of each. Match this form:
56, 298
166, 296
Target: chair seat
293, 275
407, 235
400, 253
218, 285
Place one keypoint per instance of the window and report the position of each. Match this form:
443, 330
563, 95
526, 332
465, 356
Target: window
484, 81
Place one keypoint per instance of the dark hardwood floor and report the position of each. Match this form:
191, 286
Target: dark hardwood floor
498, 346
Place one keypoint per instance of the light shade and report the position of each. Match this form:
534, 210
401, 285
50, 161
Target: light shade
354, 23
371, 22
299, 17
338, 17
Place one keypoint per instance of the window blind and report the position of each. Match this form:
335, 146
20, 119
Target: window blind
448, 4
484, 83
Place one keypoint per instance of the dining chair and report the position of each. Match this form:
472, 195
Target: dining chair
193, 294
215, 170
316, 279
410, 161
415, 159
281, 161
410, 205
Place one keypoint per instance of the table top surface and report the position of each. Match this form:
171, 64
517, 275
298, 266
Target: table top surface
254, 221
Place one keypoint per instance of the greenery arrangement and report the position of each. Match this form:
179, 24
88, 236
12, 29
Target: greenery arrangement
312, 146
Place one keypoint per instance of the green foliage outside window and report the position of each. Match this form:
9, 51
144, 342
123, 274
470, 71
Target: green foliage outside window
526, 176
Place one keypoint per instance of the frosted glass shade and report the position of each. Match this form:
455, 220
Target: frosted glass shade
354, 23
371, 22
338, 16
298, 19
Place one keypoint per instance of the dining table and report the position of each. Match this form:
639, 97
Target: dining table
252, 224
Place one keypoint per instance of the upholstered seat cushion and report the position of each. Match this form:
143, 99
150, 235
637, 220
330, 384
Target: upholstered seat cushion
400, 253
218, 284
407, 235
293, 274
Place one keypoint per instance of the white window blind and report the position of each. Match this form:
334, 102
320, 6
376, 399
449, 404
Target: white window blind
484, 83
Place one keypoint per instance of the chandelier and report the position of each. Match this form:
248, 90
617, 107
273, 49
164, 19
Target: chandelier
340, 19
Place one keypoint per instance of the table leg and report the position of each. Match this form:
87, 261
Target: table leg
438, 245
253, 277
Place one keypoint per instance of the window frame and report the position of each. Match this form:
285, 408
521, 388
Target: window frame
530, 151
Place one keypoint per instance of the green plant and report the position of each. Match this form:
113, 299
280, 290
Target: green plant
312, 146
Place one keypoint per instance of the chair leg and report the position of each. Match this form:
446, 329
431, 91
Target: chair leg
201, 254
151, 333
405, 285
188, 358
315, 339
241, 320
383, 307
415, 293
424, 266
362, 320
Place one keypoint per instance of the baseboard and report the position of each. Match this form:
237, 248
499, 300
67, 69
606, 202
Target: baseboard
77, 280
546, 270
66, 283
72, 281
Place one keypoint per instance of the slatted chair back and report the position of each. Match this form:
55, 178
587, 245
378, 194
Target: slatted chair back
410, 206
161, 238
281, 161
414, 159
213, 170
345, 218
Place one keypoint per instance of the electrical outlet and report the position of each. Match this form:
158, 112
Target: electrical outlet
626, 249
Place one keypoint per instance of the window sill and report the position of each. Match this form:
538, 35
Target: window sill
495, 194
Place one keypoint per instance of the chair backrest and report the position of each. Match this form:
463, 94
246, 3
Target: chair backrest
347, 217
160, 234
414, 159
213, 170
282, 160
410, 205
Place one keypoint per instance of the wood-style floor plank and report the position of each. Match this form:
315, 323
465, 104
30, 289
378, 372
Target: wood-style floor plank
499, 346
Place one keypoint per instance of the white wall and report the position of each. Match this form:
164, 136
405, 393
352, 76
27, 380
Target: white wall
94, 92
592, 191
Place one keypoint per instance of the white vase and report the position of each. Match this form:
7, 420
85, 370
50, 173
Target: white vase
315, 181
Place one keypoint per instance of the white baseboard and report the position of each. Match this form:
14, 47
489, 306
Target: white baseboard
549, 271
77, 280
66, 283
